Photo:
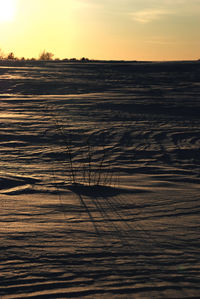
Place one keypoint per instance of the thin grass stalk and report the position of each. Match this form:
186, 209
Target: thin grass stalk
89, 164
101, 166
110, 178
66, 143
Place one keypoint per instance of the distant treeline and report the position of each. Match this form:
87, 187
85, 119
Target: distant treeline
44, 56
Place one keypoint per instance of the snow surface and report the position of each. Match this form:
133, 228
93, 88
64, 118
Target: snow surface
99, 180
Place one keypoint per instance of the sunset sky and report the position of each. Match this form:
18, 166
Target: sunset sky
102, 29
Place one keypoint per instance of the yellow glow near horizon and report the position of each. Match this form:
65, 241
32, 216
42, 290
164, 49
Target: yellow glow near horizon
7, 10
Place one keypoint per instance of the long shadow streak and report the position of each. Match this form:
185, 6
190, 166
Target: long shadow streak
105, 215
93, 221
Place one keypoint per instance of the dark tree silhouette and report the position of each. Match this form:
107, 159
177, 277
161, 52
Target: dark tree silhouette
46, 55
83, 59
11, 56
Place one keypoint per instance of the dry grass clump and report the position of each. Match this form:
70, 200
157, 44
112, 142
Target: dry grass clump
92, 170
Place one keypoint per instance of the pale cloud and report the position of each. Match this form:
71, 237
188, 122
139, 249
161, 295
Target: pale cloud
143, 9
146, 16
161, 40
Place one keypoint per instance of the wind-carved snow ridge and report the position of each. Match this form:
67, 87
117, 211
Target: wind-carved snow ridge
15, 184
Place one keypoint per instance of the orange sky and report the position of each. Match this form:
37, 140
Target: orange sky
102, 29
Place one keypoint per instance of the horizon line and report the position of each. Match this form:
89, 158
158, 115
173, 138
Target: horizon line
85, 60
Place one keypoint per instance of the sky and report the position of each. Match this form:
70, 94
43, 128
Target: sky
102, 29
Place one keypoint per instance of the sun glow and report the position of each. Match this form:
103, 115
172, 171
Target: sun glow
7, 10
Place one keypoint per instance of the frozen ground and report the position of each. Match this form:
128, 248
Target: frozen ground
133, 127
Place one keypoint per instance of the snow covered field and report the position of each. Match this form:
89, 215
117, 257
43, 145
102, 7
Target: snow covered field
133, 129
